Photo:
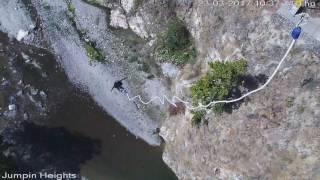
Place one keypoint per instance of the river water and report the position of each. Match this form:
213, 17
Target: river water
121, 155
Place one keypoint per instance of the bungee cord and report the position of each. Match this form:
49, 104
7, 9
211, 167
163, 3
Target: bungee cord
176, 99
162, 99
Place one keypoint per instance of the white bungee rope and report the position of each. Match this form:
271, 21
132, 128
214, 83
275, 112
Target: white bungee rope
295, 34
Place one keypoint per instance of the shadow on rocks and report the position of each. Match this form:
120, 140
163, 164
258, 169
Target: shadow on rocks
246, 84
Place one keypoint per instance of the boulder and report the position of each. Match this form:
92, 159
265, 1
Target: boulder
118, 19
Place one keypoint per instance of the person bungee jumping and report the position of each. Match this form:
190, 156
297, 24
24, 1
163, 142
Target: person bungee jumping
118, 86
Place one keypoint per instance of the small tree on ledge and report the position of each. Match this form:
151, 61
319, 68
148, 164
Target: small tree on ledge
218, 83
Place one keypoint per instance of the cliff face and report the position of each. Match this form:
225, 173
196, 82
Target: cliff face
275, 133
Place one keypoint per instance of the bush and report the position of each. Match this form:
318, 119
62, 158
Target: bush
290, 102
218, 83
145, 67
197, 117
133, 58
176, 45
93, 52
72, 12
93, 2
301, 109
72, 9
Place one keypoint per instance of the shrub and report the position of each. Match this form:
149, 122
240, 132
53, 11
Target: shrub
301, 109
133, 58
176, 45
71, 9
93, 52
289, 102
145, 67
72, 12
46, 5
94, 2
218, 83
197, 117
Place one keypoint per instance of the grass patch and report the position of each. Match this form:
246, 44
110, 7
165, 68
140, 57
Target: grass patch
72, 9
93, 2
72, 12
93, 52
197, 117
289, 102
46, 5
145, 67
176, 45
301, 109
218, 83
133, 59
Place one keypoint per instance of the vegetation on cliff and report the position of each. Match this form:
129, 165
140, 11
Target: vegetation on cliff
72, 13
93, 52
218, 83
197, 117
176, 45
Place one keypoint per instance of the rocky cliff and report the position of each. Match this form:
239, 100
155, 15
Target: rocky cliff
273, 134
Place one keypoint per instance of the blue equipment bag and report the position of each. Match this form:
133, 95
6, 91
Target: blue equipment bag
296, 32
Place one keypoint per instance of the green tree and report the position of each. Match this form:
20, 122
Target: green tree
218, 83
